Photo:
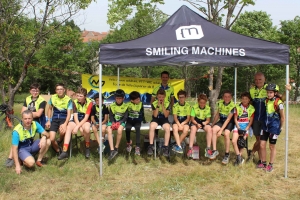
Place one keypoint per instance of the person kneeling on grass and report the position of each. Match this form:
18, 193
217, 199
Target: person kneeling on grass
95, 120
160, 113
136, 115
200, 119
82, 108
243, 118
24, 145
118, 114
223, 121
181, 114
272, 126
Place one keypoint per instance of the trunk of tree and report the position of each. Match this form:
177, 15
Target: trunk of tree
214, 92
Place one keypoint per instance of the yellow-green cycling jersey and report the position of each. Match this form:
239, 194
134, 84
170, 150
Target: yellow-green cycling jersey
272, 122
168, 89
258, 101
25, 134
136, 111
81, 109
201, 113
225, 109
160, 111
182, 111
240, 111
118, 113
60, 106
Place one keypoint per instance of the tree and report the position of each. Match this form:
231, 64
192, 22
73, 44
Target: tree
146, 19
24, 29
219, 11
290, 34
257, 24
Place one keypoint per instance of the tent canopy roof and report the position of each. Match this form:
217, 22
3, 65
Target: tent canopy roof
187, 38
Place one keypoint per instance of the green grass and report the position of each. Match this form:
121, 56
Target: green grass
130, 177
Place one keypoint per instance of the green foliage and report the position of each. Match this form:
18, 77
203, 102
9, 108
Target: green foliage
121, 10
256, 24
290, 34
22, 35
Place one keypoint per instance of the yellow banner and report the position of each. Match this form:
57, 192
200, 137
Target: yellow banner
128, 84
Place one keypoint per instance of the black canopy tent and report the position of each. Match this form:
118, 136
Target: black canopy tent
187, 39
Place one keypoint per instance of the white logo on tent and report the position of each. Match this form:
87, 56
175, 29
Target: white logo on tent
192, 32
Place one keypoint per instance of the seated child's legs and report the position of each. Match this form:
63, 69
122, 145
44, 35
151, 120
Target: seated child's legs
153, 126
176, 134
192, 136
129, 125
215, 135
208, 131
86, 133
110, 138
184, 132
137, 127
227, 140
119, 135
234, 139
166, 127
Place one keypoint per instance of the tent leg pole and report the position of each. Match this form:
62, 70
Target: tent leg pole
235, 83
287, 123
118, 78
100, 117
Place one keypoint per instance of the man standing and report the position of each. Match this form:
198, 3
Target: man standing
165, 76
24, 145
258, 94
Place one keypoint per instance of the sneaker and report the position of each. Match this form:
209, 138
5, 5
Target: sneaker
59, 151
87, 152
165, 150
177, 149
208, 153
250, 158
129, 147
214, 155
9, 162
260, 166
113, 153
63, 155
269, 168
39, 163
150, 150
103, 148
190, 153
239, 161
137, 151
225, 160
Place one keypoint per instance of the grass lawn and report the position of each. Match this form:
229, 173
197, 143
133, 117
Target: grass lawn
132, 177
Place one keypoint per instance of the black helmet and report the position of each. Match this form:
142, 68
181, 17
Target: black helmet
272, 87
119, 93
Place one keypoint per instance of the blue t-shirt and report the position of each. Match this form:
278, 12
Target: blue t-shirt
16, 137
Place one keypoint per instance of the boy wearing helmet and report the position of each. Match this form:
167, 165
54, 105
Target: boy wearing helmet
272, 126
118, 114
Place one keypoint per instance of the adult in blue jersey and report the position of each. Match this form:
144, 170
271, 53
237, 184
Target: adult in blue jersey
258, 94
59, 114
37, 105
24, 145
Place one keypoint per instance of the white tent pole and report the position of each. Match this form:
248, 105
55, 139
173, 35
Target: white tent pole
235, 83
100, 118
118, 78
286, 122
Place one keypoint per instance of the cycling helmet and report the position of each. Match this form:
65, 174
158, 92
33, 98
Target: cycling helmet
119, 93
272, 87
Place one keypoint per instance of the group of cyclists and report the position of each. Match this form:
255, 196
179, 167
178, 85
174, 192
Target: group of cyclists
260, 113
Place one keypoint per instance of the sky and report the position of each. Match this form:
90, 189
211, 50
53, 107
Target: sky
94, 17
